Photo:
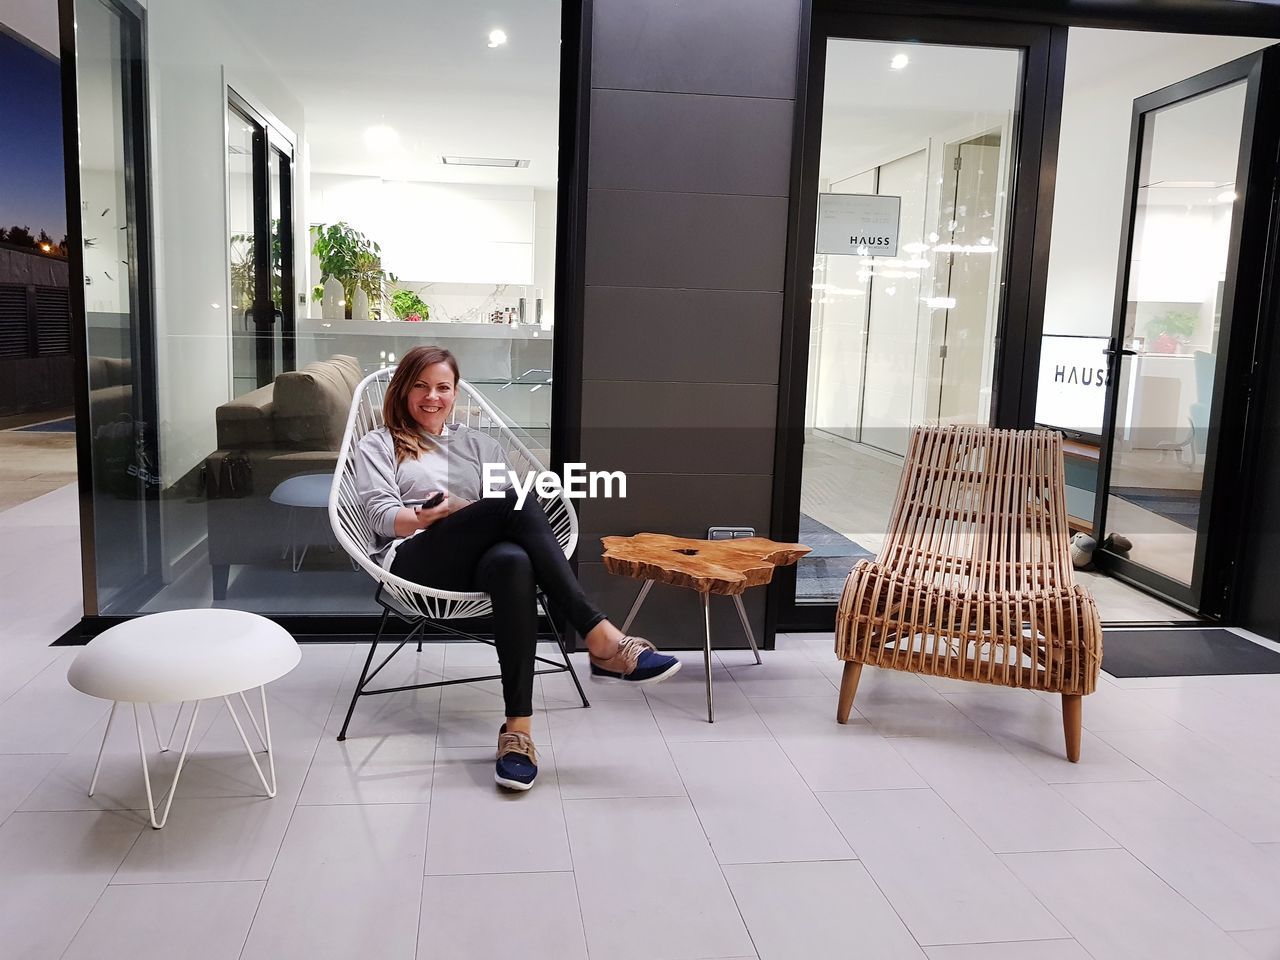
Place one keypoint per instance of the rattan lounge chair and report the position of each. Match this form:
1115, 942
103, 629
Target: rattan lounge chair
974, 580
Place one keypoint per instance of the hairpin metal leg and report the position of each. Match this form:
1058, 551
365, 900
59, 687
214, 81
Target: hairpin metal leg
746, 625
706, 651
93, 784
635, 607
146, 772
269, 787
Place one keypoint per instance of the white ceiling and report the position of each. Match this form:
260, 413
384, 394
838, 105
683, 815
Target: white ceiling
872, 113
423, 68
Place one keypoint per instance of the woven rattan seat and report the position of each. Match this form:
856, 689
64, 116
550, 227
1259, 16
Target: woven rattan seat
974, 580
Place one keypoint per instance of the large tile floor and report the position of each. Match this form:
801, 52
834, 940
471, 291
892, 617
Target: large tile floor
942, 822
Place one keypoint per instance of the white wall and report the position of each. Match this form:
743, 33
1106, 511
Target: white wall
189, 47
438, 232
1106, 71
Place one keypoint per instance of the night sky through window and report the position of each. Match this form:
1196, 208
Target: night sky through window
32, 190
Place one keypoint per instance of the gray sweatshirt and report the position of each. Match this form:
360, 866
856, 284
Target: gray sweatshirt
456, 465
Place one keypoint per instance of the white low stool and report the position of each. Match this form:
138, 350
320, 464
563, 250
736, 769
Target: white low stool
186, 656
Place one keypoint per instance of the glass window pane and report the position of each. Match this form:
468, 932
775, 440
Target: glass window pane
924, 135
1173, 309
458, 253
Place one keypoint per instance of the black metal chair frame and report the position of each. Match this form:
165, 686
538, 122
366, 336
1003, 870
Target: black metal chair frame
420, 625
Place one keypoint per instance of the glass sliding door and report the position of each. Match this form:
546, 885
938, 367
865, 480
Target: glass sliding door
1170, 406
914, 188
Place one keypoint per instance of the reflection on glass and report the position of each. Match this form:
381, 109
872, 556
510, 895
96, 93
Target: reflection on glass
245, 457
907, 338
123, 471
240, 133
1173, 308
274, 184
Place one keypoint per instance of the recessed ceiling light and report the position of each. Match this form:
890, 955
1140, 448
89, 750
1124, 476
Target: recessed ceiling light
380, 138
483, 162
899, 61
497, 38
1226, 196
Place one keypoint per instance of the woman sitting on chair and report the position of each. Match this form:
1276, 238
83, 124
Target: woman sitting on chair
468, 542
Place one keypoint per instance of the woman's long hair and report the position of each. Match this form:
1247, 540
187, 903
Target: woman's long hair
410, 442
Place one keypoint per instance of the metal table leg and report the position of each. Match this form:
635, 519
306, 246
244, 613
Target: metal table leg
706, 652
746, 625
635, 607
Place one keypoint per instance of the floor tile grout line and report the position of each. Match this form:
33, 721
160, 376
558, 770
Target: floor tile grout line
1151, 869
1180, 793
431, 796
22, 686
302, 783
710, 846
1136, 859
982, 839
101, 893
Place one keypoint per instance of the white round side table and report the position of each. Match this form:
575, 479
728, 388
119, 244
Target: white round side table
186, 656
307, 491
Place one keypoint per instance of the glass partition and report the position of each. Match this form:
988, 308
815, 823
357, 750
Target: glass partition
915, 174
436, 162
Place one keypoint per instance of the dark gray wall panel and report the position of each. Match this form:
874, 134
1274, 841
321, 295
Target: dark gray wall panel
672, 616
683, 505
737, 47
646, 427
642, 239
692, 144
699, 335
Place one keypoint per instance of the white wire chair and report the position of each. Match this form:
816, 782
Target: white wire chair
411, 602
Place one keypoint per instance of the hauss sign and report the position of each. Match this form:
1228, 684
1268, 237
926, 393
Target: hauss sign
858, 224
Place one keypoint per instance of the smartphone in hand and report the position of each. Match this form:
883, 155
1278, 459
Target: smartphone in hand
432, 500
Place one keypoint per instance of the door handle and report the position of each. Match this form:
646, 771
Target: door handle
1114, 351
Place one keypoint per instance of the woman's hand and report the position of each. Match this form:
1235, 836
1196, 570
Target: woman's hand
426, 516
409, 520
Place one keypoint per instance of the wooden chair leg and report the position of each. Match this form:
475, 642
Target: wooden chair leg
848, 687
1071, 713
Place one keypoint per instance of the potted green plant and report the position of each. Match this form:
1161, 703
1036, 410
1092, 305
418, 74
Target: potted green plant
1171, 331
407, 305
351, 258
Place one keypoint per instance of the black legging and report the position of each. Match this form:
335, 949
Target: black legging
489, 545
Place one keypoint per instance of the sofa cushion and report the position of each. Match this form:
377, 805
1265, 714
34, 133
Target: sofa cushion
349, 367
311, 404
246, 421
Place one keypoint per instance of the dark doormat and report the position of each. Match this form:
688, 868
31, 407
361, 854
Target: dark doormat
1183, 653
821, 574
1180, 506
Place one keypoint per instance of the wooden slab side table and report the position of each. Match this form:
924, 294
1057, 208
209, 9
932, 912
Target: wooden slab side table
725, 567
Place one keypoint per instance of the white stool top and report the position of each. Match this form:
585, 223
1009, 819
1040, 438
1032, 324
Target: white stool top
304, 490
184, 655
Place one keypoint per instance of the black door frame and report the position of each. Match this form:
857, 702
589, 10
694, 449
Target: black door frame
134, 95
926, 20
270, 134
1025, 248
1218, 526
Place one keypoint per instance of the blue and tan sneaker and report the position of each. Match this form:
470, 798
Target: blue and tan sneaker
517, 765
636, 661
